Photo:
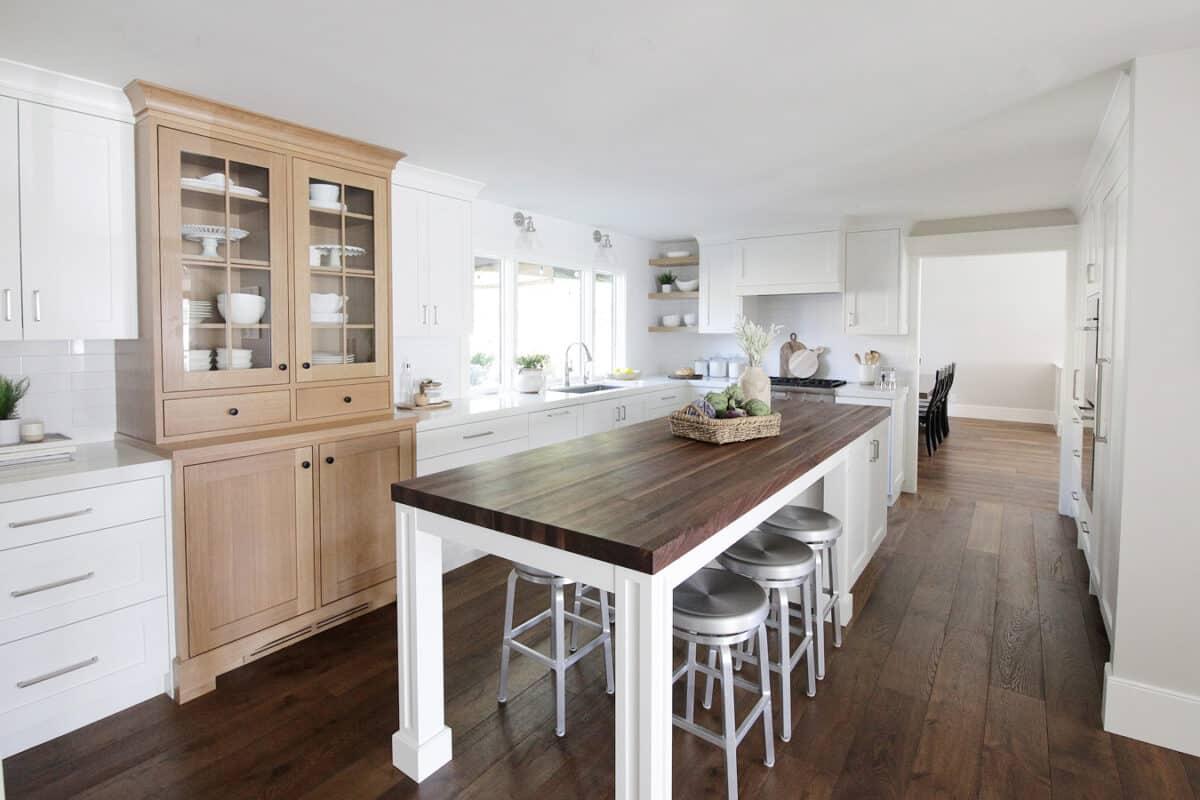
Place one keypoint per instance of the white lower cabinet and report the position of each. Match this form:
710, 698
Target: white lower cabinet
554, 426
866, 521
84, 615
668, 401
894, 441
606, 415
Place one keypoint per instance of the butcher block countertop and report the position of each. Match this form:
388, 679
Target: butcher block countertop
637, 497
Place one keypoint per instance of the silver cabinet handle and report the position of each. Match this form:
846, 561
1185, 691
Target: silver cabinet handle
51, 518
558, 413
52, 585
1077, 453
874, 450
477, 435
1100, 363
668, 397
37, 305
25, 684
435, 318
1085, 527
1075, 384
1074, 495
8, 305
424, 314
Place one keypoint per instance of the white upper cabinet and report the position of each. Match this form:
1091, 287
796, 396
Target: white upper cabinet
68, 260
78, 259
432, 256
10, 224
876, 294
719, 303
803, 263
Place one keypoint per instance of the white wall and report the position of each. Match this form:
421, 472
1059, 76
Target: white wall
72, 385
1153, 691
1000, 318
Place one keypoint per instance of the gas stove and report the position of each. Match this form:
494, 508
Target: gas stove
815, 390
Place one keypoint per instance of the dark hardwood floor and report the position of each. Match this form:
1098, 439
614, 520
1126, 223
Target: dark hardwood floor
972, 669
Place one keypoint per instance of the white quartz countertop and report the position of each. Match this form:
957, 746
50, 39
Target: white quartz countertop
480, 408
869, 391
115, 461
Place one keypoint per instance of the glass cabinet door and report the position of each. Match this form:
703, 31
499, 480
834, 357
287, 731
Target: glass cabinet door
223, 234
341, 273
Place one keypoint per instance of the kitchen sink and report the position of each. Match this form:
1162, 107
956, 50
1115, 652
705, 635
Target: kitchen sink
586, 388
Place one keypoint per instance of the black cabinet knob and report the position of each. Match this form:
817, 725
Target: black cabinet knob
233, 412
346, 399
283, 367
306, 365
328, 459
306, 464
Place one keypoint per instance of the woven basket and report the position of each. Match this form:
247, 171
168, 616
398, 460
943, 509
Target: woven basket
724, 431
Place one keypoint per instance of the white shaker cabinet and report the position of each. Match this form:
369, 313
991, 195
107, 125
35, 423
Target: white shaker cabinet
876, 293
719, 303
605, 415
800, 263
10, 224
554, 426
67, 236
432, 259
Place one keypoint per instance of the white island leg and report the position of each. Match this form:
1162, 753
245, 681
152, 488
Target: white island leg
422, 745
643, 665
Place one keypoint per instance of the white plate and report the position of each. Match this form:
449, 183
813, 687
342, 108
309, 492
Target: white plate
678, 253
326, 255
337, 316
803, 363
321, 206
234, 189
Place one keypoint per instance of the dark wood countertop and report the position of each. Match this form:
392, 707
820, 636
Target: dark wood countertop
637, 497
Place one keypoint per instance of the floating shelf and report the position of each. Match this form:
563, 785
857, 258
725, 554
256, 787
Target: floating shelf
686, 261
675, 329
674, 295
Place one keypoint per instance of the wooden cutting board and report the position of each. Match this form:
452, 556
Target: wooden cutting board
792, 345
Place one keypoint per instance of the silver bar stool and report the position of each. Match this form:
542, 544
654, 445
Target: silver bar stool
557, 662
777, 564
583, 597
718, 609
819, 530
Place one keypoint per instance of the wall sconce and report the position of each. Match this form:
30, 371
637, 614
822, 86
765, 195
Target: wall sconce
524, 222
602, 239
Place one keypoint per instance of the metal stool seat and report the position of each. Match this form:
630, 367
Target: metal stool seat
778, 564
719, 609
820, 530
558, 662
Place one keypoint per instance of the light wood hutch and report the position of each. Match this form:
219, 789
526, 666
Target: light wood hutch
264, 371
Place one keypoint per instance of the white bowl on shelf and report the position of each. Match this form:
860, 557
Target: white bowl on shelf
689, 319
324, 193
240, 308
322, 303
670, 320
678, 253
687, 286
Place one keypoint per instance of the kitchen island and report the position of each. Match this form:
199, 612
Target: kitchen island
635, 511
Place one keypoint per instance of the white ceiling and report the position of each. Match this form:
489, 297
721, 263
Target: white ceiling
661, 118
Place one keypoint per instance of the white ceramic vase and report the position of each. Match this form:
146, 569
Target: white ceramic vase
10, 431
868, 374
756, 385
530, 381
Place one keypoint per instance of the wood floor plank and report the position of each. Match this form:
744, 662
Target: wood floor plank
1017, 651
986, 527
974, 606
880, 760
948, 754
1016, 582
1015, 762
1149, 771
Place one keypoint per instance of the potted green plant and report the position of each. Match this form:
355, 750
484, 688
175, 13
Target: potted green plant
480, 364
531, 375
666, 281
11, 392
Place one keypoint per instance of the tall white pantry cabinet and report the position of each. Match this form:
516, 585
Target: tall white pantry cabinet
68, 266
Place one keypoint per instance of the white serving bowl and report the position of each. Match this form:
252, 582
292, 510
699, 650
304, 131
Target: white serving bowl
678, 253
319, 303
687, 286
689, 319
670, 320
241, 309
323, 192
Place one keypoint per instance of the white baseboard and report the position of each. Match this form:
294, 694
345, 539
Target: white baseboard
1042, 416
1151, 714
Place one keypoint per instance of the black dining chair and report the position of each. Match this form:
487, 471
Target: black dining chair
944, 410
929, 410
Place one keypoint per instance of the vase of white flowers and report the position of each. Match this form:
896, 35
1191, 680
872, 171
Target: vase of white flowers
754, 340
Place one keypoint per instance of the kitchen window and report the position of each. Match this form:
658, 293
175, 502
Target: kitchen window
525, 308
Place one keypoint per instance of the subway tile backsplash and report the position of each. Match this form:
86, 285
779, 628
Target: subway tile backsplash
72, 385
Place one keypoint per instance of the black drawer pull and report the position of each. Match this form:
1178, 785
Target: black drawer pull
328, 459
346, 399
233, 412
283, 367
305, 464
306, 365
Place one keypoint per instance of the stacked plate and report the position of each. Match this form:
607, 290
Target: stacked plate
233, 358
197, 311
327, 317
332, 358
197, 360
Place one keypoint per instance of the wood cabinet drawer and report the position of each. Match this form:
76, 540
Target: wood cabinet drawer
186, 415
55, 583
330, 401
441, 441
53, 516
65, 678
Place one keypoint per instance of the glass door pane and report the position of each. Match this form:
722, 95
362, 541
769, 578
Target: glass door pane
486, 329
341, 299
226, 325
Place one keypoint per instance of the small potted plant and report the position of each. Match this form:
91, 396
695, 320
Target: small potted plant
531, 376
666, 281
480, 364
11, 392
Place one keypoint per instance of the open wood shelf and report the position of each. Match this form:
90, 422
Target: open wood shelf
221, 193
675, 329
685, 261
220, 325
236, 263
674, 295
337, 273
336, 213
351, 326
